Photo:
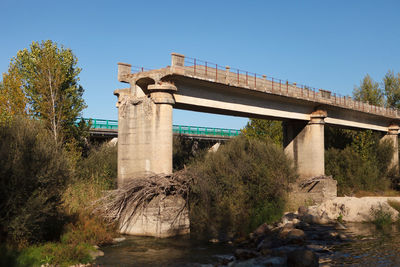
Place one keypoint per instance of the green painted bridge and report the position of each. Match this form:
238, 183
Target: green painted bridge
109, 128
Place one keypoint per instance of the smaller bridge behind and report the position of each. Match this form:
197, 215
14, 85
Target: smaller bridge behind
108, 129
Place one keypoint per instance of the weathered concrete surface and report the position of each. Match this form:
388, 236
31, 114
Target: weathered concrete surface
352, 209
312, 191
392, 135
145, 132
163, 217
304, 143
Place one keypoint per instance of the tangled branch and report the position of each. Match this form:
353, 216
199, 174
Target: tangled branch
135, 195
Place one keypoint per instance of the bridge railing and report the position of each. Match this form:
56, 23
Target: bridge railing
177, 129
240, 78
196, 130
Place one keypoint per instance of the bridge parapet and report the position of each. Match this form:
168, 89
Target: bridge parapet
203, 70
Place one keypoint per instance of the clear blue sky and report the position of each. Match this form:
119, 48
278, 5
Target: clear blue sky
324, 44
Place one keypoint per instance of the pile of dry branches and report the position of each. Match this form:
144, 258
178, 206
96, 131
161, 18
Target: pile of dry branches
134, 196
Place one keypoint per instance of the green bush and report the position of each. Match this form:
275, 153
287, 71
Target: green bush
33, 175
363, 163
238, 188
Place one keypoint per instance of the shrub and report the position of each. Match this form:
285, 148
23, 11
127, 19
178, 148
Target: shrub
360, 171
33, 174
381, 217
237, 188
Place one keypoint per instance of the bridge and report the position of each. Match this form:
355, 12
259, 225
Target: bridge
145, 113
106, 129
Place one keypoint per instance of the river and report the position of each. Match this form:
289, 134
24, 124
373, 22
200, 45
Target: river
369, 246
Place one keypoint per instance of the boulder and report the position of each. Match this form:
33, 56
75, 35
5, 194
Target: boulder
296, 236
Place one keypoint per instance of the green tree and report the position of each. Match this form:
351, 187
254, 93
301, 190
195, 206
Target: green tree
12, 98
391, 83
50, 79
264, 130
369, 91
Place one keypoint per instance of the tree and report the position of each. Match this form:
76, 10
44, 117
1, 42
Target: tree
50, 79
12, 98
369, 91
391, 83
264, 129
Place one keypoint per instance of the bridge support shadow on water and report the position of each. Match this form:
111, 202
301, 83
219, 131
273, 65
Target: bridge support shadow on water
145, 117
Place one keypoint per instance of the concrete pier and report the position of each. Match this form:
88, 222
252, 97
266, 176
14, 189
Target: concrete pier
392, 135
304, 143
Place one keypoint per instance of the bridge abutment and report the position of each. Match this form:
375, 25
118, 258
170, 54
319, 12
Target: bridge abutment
304, 143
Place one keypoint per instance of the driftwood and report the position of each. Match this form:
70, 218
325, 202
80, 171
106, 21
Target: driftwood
134, 196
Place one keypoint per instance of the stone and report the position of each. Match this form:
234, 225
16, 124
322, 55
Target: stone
302, 258
263, 229
296, 236
118, 239
96, 253
244, 254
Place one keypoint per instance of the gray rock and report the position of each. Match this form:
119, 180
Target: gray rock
96, 253
302, 258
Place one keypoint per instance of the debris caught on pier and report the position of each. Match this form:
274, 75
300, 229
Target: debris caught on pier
135, 194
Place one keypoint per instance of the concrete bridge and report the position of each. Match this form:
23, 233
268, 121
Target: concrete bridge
145, 112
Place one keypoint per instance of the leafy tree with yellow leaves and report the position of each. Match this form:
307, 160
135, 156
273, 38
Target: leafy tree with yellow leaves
48, 75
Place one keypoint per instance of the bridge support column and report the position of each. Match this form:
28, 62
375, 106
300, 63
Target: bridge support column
145, 132
392, 134
304, 143
145, 148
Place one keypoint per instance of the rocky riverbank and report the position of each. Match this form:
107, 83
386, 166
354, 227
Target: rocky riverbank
294, 241
306, 237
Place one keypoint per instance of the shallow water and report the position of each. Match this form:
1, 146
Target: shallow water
148, 251
368, 247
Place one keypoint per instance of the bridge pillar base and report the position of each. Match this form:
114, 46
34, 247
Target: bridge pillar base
304, 143
392, 134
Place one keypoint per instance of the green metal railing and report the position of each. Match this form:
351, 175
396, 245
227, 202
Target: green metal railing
177, 129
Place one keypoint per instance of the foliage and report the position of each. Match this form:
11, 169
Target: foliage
264, 130
391, 84
49, 77
186, 150
381, 216
238, 187
369, 91
58, 254
12, 98
358, 167
33, 175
